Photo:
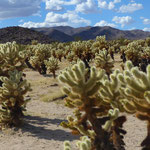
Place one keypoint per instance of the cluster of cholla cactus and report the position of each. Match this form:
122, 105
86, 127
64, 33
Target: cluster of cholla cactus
103, 61
98, 100
138, 52
12, 102
52, 65
13, 87
95, 116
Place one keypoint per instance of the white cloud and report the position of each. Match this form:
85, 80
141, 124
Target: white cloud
54, 5
73, 2
146, 21
12, 1
111, 5
133, 28
20, 21
130, 8
87, 7
123, 20
146, 29
102, 4
18, 8
117, 1
105, 23
53, 19
132, 1
58, 5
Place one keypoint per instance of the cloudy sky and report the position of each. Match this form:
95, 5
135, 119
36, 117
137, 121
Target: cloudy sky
121, 14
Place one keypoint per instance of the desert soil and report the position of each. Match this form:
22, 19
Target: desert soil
42, 130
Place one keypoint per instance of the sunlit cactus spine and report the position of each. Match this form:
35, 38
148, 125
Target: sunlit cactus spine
113, 114
83, 144
12, 100
52, 65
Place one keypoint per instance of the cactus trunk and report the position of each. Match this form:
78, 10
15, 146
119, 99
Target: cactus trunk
54, 75
117, 132
101, 141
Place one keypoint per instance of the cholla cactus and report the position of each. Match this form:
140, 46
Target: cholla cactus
71, 57
102, 60
147, 41
59, 54
52, 65
113, 114
58, 50
110, 94
12, 56
12, 102
132, 52
41, 52
99, 44
83, 95
81, 50
136, 89
83, 144
109, 91
34, 42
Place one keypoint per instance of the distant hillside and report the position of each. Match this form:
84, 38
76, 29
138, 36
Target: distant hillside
86, 33
22, 35
66, 34
65, 29
55, 34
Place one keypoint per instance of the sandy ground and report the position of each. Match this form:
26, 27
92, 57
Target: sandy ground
41, 130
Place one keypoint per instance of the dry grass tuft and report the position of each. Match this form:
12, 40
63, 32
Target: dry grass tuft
52, 96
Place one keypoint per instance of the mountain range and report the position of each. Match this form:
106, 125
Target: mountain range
66, 34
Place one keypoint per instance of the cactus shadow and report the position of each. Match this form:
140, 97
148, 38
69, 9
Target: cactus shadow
45, 128
47, 75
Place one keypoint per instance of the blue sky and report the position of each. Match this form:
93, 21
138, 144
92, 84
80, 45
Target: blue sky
121, 14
